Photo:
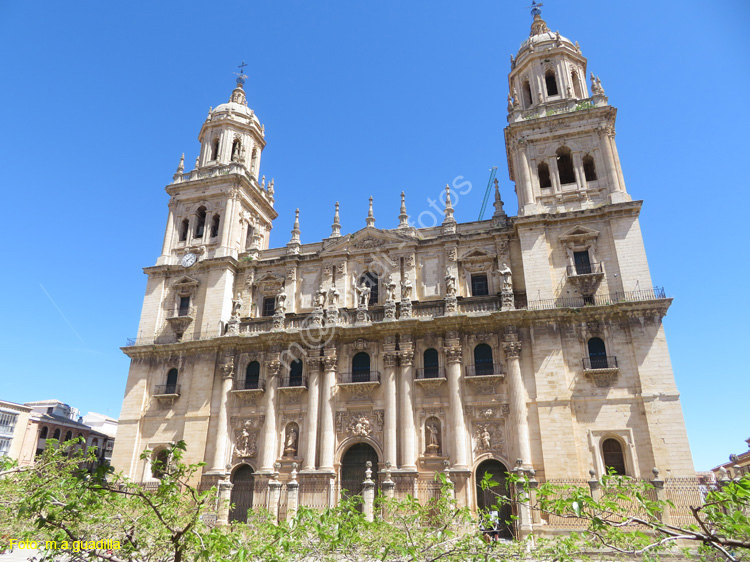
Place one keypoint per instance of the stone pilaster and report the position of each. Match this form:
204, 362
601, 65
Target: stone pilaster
390, 437
408, 431
292, 494
311, 422
512, 349
222, 429
269, 427
454, 358
327, 431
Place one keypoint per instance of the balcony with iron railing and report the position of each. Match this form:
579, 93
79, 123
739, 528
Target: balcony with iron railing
593, 268
484, 370
594, 363
242, 384
359, 377
293, 382
430, 373
167, 390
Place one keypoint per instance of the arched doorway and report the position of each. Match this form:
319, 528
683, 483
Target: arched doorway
353, 466
243, 483
488, 498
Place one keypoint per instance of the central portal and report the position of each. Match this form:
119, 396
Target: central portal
487, 500
353, 466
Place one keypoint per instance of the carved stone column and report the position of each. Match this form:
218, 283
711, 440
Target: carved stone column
512, 349
327, 431
222, 427
408, 431
368, 494
292, 494
313, 405
269, 428
454, 358
389, 388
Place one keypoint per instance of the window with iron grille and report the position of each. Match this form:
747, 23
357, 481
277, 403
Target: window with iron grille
479, 285
269, 305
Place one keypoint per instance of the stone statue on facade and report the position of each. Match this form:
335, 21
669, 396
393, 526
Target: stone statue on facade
433, 438
290, 444
320, 298
450, 285
406, 288
507, 277
237, 305
363, 295
280, 302
246, 444
333, 297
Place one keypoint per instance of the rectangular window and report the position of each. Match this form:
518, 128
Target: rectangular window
4, 446
479, 285
7, 422
184, 306
269, 305
582, 262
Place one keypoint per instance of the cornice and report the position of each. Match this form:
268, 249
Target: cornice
610, 210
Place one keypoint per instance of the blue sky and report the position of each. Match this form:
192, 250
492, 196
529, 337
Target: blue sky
99, 99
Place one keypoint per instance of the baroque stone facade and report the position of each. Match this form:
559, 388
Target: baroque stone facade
534, 340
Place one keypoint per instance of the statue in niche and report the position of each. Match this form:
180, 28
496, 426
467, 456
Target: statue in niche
290, 443
507, 278
280, 302
406, 288
320, 298
432, 437
450, 285
333, 297
237, 305
246, 444
390, 287
485, 439
363, 294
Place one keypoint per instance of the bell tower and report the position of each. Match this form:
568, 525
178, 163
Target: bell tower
220, 208
560, 139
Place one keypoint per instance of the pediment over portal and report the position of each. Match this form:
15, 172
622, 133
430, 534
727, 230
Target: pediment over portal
579, 234
367, 240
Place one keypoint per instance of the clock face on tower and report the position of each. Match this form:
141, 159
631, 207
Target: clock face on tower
188, 259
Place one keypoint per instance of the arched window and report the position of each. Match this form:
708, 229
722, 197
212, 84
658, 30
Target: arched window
576, 84
43, 433
236, 150
589, 170
295, 373
56, 434
361, 367
160, 463
371, 279
565, 166
483, 360
254, 161
527, 100
68, 436
551, 82
215, 149
614, 459
215, 226
201, 223
252, 375
171, 382
184, 230
597, 354
544, 177
431, 364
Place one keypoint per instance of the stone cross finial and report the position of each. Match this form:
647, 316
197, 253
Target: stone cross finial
370, 217
403, 218
336, 226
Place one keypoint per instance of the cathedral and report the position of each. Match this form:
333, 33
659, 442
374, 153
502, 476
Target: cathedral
530, 343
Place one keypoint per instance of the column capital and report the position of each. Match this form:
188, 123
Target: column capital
453, 354
512, 349
273, 368
329, 362
407, 358
390, 359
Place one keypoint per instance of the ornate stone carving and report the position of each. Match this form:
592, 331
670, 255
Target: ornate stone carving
379, 419
430, 387
452, 254
407, 358
227, 366
360, 344
329, 362
246, 443
389, 310
489, 437
340, 421
273, 368
359, 424
369, 242
512, 349
390, 359
453, 354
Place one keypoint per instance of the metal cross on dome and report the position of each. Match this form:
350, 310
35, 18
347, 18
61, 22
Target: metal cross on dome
535, 11
241, 76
